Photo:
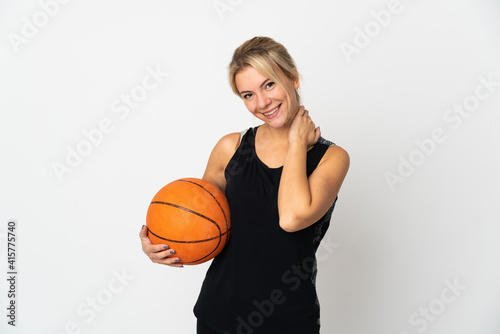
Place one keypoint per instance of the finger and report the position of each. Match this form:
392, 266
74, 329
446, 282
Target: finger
172, 262
146, 241
147, 245
317, 133
143, 233
157, 257
302, 110
158, 248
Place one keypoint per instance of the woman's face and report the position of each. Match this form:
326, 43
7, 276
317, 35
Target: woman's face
265, 99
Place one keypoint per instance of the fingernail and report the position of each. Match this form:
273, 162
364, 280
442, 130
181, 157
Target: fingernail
165, 247
177, 260
181, 266
172, 252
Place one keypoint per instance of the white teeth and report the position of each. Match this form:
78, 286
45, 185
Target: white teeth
272, 111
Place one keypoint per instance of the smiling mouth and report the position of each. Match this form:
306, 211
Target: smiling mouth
272, 112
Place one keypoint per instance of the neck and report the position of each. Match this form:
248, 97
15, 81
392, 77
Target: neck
279, 135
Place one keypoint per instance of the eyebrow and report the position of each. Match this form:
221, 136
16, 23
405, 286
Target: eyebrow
262, 84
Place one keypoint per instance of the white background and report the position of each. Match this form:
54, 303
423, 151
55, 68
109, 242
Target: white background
389, 251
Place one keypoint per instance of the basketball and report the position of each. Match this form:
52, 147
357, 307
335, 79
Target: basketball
191, 216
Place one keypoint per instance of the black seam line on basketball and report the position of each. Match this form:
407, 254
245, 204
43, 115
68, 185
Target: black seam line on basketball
216, 247
215, 199
190, 211
187, 242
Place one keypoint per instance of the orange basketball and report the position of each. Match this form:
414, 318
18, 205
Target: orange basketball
191, 216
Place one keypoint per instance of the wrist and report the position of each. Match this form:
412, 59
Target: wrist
297, 144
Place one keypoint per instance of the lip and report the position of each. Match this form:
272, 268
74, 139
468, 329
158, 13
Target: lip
272, 115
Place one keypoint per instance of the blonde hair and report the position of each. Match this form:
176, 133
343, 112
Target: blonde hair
266, 56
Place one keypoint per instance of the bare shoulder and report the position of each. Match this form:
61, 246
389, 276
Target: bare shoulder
333, 165
229, 143
225, 148
331, 171
336, 156
219, 158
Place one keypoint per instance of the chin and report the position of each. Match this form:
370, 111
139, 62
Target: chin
275, 124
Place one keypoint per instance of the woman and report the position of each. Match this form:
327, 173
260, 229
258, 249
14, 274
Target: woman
281, 180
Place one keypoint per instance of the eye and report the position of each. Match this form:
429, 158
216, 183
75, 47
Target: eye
247, 96
270, 85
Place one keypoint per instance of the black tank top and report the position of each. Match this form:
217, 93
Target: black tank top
263, 282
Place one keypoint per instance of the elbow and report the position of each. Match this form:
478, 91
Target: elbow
290, 224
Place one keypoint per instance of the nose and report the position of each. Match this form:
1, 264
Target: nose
263, 101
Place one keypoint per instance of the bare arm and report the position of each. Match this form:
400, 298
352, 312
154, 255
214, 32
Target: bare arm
301, 200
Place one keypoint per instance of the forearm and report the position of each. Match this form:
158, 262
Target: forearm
294, 195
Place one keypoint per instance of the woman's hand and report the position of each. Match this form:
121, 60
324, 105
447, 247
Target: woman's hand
303, 130
158, 253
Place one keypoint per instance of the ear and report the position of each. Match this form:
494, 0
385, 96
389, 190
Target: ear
296, 83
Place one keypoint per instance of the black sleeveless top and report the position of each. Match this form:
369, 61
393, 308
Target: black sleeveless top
263, 282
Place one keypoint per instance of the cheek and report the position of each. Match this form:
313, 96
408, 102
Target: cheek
249, 105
